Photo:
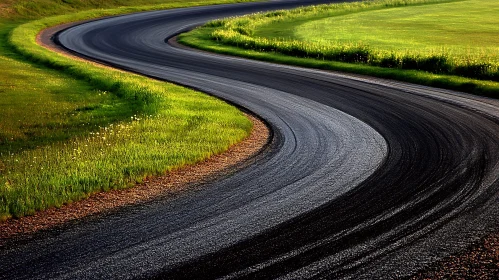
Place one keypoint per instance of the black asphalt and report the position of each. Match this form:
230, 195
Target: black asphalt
365, 179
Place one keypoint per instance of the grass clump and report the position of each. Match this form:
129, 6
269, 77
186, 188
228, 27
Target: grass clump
69, 129
36, 9
329, 33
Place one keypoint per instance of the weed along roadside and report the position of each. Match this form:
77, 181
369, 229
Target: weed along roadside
70, 129
456, 50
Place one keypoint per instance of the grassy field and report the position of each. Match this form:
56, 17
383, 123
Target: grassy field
464, 29
69, 129
460, 50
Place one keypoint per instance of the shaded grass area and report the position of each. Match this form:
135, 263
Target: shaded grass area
279, 27
39, 107
69, 128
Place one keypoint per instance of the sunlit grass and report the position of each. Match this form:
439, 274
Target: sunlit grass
189, 127
69, 128
465, 29
308, 41
35, 9
299, 33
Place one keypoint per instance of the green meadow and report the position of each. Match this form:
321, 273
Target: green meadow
69, 129
464, 30
445, 43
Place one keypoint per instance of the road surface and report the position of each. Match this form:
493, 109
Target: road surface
365, 178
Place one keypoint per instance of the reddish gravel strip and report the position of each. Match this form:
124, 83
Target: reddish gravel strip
479, 262
152, 188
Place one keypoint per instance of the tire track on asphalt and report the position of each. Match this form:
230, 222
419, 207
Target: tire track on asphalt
367, 178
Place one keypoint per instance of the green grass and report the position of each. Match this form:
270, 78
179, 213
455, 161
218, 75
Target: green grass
36, 9
465, 29
298, 34
69, 129
50, 108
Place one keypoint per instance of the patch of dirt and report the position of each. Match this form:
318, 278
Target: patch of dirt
479, 262
152, 188
5, 10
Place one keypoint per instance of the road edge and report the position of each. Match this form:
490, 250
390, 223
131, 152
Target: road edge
172, 183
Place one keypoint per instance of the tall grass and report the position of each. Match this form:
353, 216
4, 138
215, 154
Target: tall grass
36, 9
240, 32
162, 126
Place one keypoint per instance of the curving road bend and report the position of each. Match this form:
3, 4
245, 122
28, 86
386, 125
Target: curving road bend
365, 178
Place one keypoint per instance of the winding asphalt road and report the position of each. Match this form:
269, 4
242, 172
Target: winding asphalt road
365, 178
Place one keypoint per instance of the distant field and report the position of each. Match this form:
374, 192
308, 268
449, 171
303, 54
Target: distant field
35, 9
450, 43
69, 129
465, 29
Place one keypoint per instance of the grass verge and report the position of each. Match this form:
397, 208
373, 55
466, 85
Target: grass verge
69, 129
241, 36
